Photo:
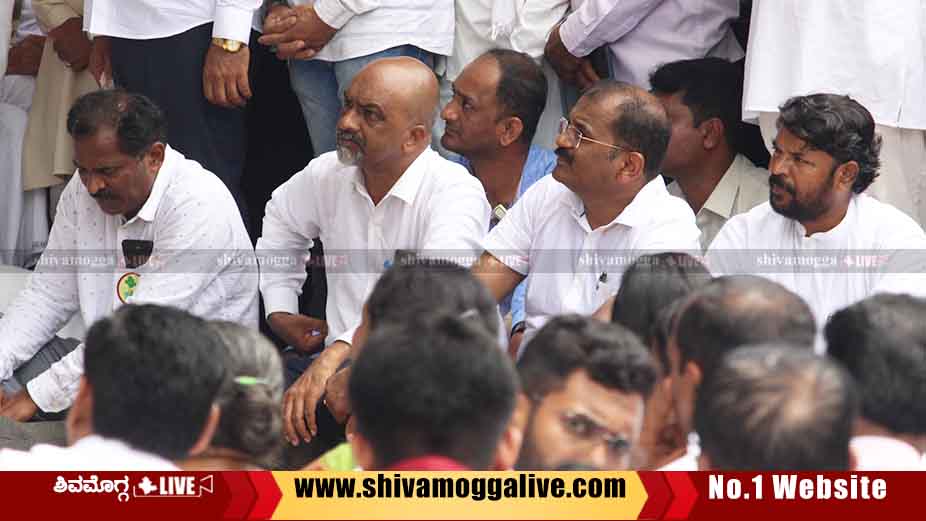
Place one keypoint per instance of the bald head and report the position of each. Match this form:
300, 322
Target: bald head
407, 84
638, 119
733, 311
774, 407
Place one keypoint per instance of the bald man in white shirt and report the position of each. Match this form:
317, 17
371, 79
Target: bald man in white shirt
384, 190
572, 233
137, 223
820, 235
192, 58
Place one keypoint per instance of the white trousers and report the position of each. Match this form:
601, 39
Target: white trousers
902, 179
23, 215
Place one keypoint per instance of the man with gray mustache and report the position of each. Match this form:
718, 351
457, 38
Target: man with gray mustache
383, 190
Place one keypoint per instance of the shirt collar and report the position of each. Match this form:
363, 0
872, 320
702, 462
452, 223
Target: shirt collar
837, 233
635, 214
161, 182
406, 188
722, 198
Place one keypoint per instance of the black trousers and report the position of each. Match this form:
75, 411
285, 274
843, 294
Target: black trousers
170, 72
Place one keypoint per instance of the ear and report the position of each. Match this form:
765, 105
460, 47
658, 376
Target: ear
631, 166
205, 437
712, 133
155, 156
79, 422
693, 372
512, 128
847, 173
509, 445
363, 452
417, 134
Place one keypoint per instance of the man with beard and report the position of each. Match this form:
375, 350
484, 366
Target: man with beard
383, 190
573, 233
586, 383
819, 235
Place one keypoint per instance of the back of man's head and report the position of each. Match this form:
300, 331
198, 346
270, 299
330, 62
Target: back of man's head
736, 310
638, 120
776, 408
881, 341
709, 87
153, 373
416, 286
435, 386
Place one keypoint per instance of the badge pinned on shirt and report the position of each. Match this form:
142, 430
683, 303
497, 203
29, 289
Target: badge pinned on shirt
126, 286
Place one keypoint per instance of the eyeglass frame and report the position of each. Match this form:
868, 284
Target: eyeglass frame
565, 124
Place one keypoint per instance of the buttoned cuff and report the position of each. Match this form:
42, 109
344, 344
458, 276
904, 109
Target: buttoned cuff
333, 13
51, 394
280, 300
233, 23
572, 35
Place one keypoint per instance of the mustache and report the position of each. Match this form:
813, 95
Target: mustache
102, 195
564, 154
774, 180
344, 135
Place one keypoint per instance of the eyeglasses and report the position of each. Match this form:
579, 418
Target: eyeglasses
576, 138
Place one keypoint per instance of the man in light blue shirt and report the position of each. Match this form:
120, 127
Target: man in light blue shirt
496, 106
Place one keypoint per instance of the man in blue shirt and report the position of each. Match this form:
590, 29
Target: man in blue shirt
497, 103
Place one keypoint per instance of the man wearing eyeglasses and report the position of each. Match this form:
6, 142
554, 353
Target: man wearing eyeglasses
573, 233
586, 383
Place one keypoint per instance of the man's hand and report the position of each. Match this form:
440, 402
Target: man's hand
336, 395
71, 45
567, 66
296, 32
306, 334
25, 57
225, 77
19, 407
587, 75
301, 399
101, 66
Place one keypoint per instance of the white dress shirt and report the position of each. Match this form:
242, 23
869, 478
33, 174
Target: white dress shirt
89, 453
687, 462
533, 22
876, 248
436, 208
743, 187
369, 26
880, 453
644, 34
150, 19
571, 268
872, 51
202, 262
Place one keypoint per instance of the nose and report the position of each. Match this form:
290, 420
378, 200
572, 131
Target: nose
347, 122
562, 141
598, 456
93, 183
450, 112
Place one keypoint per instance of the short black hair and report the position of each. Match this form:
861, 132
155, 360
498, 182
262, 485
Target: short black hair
522, 88
420, 285
776, 407
611, 355
881, 341
638, 119
661, 332
710, 88
839, 126
436, 384
651, 283
735, 310
137, 121
154, 372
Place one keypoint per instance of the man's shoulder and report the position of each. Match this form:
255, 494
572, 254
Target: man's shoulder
885, 220
753, 183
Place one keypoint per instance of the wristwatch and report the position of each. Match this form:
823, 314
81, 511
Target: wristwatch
231, 46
